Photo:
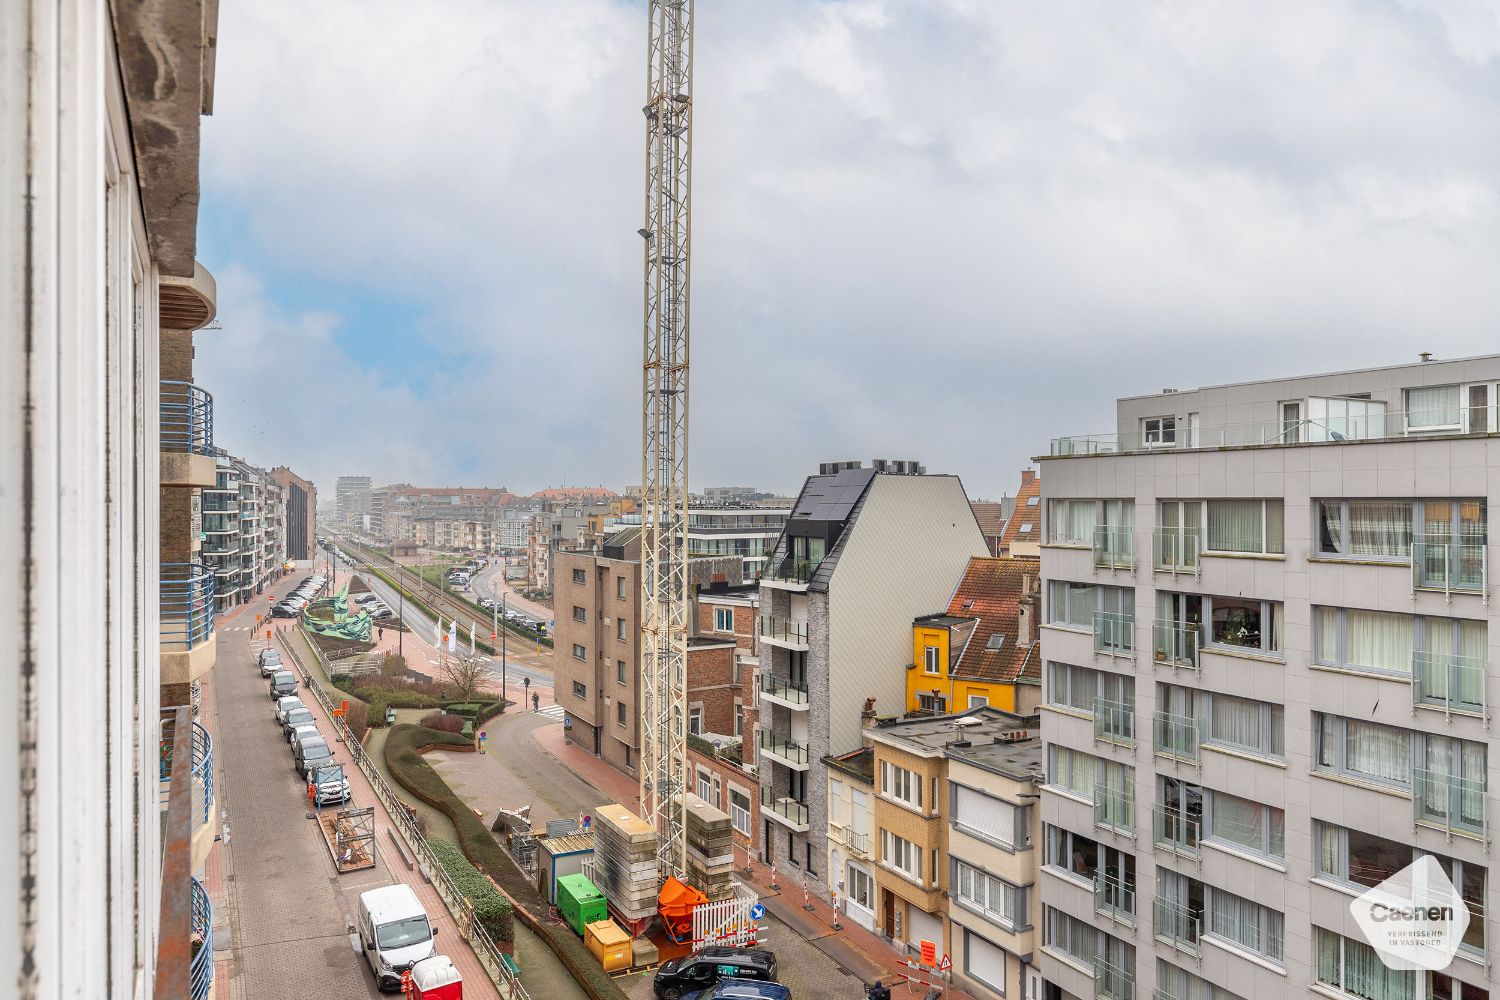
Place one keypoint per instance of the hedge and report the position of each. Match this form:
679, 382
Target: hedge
491, 908
485, 853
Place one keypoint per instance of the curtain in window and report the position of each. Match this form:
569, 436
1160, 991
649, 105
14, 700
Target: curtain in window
1432, 406
1238, 821
1365, 975
1328, 855
1275, 529
1378, 640
1082, 517
1235, 526
1326, 635
1380, 528
1331, 527
1378, 751
1246, 923
1329, 964
1235, 721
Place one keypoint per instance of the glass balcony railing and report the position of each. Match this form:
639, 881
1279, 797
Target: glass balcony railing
1114, 898
787, 808
1175, 736
1175, 550
187, 606
788, 630
1175, 643
1114, 722
1450, 803
1114, 808
187, 418
1112, 982
790, 570
1114, 547
1450, 681
787, 750
1450, 566
1175, 832
783, 689
201, 960
1114, 633
1176, 924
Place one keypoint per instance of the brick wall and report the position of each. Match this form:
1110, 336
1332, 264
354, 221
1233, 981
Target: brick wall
598, 708
746, 624
714, 685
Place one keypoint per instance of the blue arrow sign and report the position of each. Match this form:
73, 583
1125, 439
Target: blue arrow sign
757, 912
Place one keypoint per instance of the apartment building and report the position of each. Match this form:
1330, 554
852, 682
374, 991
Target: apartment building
352, 500
104, 443
850, 777
981, 650
243, 525
300, 499
954, 841
1267, 646
744, 530
862, 553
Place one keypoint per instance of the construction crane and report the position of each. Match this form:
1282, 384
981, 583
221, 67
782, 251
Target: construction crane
664, 430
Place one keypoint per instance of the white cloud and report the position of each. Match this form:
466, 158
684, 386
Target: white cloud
942, 230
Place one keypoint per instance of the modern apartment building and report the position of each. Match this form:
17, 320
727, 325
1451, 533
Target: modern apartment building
744, 530
1267, 660
301, 499
244, 522
104, 441
862, 554
352, 500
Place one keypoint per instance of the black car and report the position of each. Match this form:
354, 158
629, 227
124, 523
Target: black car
284, 610
311, 753
685, 976
283, 682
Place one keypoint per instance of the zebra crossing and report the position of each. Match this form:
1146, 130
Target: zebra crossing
554, 712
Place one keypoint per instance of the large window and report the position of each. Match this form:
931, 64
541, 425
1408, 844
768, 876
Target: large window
995, 898
1371, 529
900, 784
901, 854
1369, 751
1354, 968
988, 818
1249, 826
1072, 604
739, 811
1242, 623
861, 888
1179, 984
1107, 868
1384, 642
1246, 923
1244, 724
1080, 687
1433, 407
1073, 521
1251, 526
1073, 770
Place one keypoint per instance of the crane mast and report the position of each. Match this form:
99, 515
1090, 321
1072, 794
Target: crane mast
664, 430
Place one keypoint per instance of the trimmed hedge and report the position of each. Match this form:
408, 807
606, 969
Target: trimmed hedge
467, 709
491, 908
445, 723
485, 853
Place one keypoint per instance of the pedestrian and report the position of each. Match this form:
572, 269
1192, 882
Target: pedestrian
536, 701
380, 633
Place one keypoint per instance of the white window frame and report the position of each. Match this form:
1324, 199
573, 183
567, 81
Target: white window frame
739, 816
1265, 534
1159, 432
724, 620
900, 785
932, 661
901, 856
979, 891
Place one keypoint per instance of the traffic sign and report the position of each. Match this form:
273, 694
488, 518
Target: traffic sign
757, 912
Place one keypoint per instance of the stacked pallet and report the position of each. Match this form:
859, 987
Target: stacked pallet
710, 849
625, 862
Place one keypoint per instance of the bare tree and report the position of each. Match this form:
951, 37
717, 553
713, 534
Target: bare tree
465, 672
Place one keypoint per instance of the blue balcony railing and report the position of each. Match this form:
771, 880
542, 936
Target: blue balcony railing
202, 767
187, 418
201, 964
187, 606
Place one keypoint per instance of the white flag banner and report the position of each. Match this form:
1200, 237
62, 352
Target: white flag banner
437, 633
471, 639
453, 636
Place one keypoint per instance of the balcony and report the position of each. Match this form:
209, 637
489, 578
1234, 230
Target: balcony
1175, 550
202, 770
1451, 567
787, 753
788, 633
1114, 633
785, 810
1112, 982
1175, 644
1114, 809
783, 691
1114, 898
1114, 722
1114, 547
201, 962
187, 435
1175, 737
1173, 831
186, 622
1452, 804
1449, 681
856, 843
1176, 925
789, 573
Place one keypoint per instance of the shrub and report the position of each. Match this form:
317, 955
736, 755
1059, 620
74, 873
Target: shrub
489, 711
444, 723
467, 709
358, 718
468, 730
394, 665
491, 909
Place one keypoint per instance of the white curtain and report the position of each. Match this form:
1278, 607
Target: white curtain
1380, 528
1234, 526
1378, 640
1235, 721
1082, 515
1432, 406
1245, 922
1326, 635
1378, 751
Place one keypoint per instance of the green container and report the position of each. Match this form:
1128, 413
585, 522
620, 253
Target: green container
579, 902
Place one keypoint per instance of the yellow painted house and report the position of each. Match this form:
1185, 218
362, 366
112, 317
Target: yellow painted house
982, 650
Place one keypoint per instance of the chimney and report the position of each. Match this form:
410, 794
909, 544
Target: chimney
1425, 357
867, 717
1028, 476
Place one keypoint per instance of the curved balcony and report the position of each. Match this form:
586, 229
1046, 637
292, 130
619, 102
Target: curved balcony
187, 435
201, 964
202, 769
186, 622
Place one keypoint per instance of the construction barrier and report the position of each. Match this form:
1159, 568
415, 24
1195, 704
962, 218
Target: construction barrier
727, 922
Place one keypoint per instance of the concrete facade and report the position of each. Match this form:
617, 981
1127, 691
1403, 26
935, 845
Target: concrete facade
590, 657
1375, 490
301, 503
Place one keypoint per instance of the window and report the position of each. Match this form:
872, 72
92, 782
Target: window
1072, 770
695, 721
705, 787
724, 620
1073, 521
1081, 687
1075, 604
620, 629
580, 577
1365, 750
739, 811
984, 961
1239, 623
1371, 529
1179, 984
1160, 431
1434, 407
620, 713
1243, 724
861, 888
1032, 501
620, 671
739, 718
579, 615
1333, 418
1025, 529
1444, 987
987, 818
1250, 826
995, 898
902, 855
1354, 968
978, 700
1179, 819
932, 659
1246, 923
580, 690
620, 587
579, 652
1109, 869
1081, 942
1253, 526
900, 784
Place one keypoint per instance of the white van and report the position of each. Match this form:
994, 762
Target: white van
394, 932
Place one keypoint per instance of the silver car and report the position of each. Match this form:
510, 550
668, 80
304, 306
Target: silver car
285, 705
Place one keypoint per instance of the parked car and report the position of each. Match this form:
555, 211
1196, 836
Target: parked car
382, 614
333, 788
296, 717
270, 661
285, 705
742, 989
283, 682
285, 610
394, 933
302, 731
310, 753
682, 977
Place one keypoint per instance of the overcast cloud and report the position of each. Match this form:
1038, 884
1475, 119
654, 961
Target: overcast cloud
933, 229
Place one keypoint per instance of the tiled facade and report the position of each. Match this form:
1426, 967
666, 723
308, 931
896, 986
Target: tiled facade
1266, 682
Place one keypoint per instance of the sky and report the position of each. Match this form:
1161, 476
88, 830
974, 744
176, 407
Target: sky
945, 230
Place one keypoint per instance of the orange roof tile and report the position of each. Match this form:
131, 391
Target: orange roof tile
991, 592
